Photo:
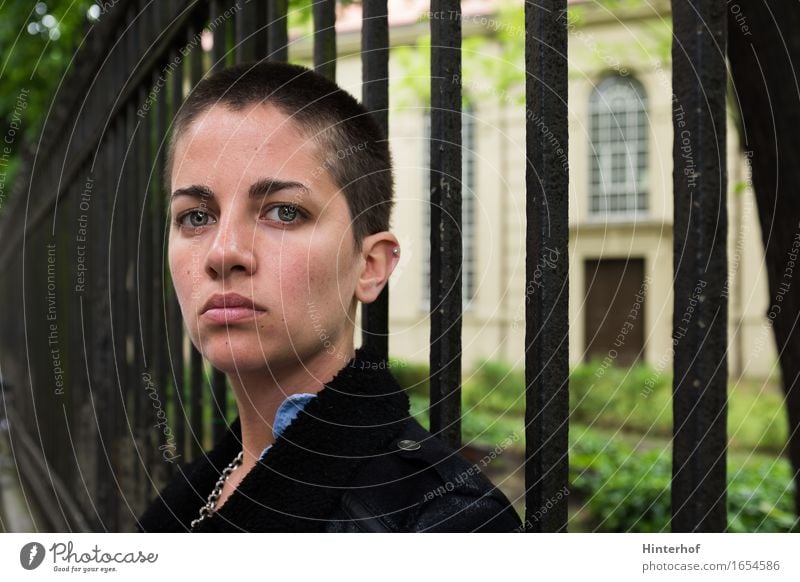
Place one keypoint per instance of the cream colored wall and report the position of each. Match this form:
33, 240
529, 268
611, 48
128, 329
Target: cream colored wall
494, 325
751, 341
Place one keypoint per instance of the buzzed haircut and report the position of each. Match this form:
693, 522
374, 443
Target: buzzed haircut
350, 145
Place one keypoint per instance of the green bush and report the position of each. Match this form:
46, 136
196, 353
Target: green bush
757, 418
494, 386
760, 496
637, 398
623, 491
412, 376
478, 427
634, 400
629, 490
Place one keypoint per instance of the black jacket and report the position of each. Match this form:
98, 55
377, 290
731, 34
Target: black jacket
353, 460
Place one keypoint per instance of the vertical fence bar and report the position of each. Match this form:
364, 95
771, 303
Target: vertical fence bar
114, 314
324, 16
101, 367
219, 390
175, 327
546, 265
445, 196
196, 389
145, 315
219, 409
126, 222
251, 31
157, 245
220, 29
115, 291
375, 97
700, 375
126, 441
278, 30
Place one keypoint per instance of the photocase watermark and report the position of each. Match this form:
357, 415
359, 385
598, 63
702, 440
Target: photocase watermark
482, 20
685, 137
100, 8
587, 39
52, 318
66, 559
550, 137
184, 51
626, 328
548, 260
381, 365
14, 126
489, 88
661, 74
739, 17
695, 298
169, 450
677, 335
466, 474
339, 155
82, 237
775, 306
322, 332
738, 250
786, 280
551, 502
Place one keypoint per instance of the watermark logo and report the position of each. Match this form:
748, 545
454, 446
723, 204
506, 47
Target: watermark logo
31, 555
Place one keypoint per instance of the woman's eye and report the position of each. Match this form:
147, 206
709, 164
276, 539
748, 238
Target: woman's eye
286, 213
196, 219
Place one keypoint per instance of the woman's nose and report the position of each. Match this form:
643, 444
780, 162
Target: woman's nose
231, 250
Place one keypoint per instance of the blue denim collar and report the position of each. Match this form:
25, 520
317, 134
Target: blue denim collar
286, 413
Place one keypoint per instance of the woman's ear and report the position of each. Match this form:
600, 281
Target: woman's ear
381, 253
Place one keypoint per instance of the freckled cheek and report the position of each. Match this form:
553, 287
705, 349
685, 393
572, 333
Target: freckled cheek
325, 280
180, 268
293, 277
295, 270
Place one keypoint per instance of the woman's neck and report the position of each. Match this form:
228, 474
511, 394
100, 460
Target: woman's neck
260, 393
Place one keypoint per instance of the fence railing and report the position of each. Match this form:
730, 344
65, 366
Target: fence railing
93, 340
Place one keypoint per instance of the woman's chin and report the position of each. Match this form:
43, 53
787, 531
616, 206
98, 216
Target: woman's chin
232, 358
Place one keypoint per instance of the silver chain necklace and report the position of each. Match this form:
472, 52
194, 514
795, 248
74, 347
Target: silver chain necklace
208, 508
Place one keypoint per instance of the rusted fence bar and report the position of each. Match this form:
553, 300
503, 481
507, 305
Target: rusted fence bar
324, 16
175, 325
375, 97
278, 30
700, 315
251, 31
546, 266
445, 212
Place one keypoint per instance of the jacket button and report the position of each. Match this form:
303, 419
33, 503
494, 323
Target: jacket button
408, 445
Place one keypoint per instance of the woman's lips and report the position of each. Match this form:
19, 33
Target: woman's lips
231, 314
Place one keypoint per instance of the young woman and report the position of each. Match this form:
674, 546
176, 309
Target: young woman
281, 194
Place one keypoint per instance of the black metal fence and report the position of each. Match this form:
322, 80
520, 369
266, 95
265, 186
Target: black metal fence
92, 333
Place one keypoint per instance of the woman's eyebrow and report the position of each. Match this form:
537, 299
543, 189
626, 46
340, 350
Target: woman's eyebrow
193, 191
261, 188
267, 186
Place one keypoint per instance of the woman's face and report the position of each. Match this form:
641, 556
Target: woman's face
254, 213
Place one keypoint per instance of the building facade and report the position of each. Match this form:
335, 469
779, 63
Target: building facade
620, 163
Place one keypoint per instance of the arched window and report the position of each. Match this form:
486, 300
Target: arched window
618, 152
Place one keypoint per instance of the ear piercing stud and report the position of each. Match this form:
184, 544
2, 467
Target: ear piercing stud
396, 250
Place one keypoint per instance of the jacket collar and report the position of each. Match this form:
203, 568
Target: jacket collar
286, 413
299, 481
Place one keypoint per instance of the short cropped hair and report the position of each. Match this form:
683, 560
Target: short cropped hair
351, 145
